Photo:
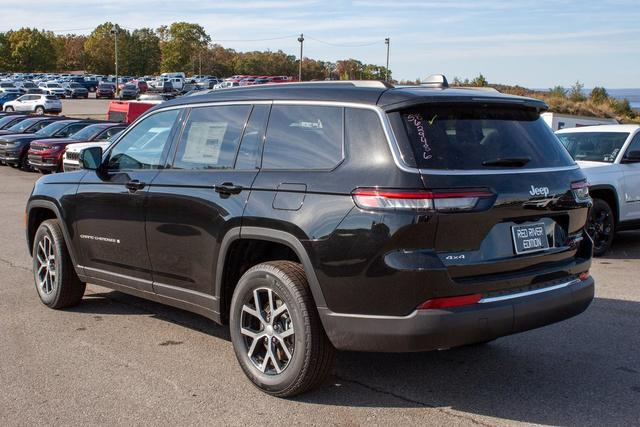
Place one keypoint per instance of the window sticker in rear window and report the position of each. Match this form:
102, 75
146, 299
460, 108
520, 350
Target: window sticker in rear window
417, 121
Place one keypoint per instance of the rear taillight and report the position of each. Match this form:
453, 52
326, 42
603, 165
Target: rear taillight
418, 200
584, 275
580, 190
449, 302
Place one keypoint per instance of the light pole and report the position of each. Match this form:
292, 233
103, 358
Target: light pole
301, 41
114, 31
387, 41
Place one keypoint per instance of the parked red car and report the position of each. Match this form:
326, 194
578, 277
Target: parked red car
142, 85
45, 155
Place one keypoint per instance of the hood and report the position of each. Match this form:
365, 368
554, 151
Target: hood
587, 164
82, 145
18, 137
53, 141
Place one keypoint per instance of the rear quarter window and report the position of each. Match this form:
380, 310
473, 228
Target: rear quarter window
304, 137
468, 137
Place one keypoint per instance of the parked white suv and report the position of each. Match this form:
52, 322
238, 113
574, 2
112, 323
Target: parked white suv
610, 158
35, 103
71, 156
53, 88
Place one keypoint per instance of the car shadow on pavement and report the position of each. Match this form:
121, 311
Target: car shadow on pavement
118, 303
583, 371
626, 245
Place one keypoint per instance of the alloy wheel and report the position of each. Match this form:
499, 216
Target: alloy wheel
46, 267
268, 332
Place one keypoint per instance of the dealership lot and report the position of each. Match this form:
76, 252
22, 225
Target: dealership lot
117, 359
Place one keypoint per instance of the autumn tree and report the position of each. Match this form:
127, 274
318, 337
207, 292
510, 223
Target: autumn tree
180, 44
70, 52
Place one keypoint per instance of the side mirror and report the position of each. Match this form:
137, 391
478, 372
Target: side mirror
632, 157
91, 158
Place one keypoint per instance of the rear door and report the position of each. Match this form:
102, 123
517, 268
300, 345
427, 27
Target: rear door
502, 189
200, 196
110, 205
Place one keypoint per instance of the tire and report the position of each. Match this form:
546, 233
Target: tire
601, 227
23, 164
39, 111
9, 109
56, 281
311, 353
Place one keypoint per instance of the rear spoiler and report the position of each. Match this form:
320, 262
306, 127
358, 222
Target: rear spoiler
527, 103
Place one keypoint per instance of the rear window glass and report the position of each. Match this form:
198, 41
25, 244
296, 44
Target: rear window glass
481, 137
51, 97
303, 137
594, 146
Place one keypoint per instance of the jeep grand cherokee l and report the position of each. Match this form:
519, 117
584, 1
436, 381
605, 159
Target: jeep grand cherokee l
322, 216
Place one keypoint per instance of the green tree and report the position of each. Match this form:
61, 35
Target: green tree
575, 93
479, 81
31, 50
181, 44
5, 53
599, 95
558, 92
146, 48
99, 49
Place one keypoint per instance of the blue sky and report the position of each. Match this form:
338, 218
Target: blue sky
537, 43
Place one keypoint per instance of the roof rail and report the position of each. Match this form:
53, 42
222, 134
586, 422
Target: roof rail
482, 88
355, 83
435, 81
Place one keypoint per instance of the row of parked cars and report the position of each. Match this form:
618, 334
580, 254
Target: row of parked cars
50, 143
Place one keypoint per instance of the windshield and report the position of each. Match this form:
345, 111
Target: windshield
594, 146
23, 125
473, 137
74, 85
6, 85
87, 133
53, 85
6, 120
51, 129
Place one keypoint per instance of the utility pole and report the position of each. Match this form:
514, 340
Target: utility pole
387, 41
301, 41
114, 31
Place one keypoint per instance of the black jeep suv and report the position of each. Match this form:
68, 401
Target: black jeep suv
319, 216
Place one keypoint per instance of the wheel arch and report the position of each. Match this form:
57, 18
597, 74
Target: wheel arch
39, 211
609, 194
224, 287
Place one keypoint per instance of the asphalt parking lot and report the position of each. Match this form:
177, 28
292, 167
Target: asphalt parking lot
120, 360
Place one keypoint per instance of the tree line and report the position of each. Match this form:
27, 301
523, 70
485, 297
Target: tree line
181, 46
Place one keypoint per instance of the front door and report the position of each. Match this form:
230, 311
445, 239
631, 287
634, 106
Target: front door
110, 214
631, 211
193, 204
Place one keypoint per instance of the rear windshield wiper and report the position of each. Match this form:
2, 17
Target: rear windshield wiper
513, 162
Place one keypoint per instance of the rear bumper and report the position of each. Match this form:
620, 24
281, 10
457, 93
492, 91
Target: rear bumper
425, 330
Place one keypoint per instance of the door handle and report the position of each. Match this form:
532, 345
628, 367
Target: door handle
228, 188
134, 185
